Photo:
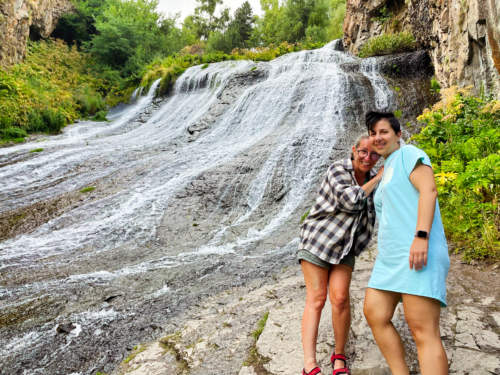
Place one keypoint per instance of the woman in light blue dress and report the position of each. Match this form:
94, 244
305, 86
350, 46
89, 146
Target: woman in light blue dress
412, 261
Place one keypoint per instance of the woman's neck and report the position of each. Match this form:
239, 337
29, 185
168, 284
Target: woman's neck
390, 153
360, 177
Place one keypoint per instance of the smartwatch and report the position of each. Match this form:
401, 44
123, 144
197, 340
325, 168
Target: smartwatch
422, 234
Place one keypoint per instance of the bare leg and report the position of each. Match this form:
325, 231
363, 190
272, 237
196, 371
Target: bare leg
338, 285
379, 308
422, 316
316, 279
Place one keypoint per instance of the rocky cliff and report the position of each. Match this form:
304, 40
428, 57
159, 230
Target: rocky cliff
462, 36
24, 19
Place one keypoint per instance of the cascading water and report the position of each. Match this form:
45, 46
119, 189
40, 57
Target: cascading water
208, 183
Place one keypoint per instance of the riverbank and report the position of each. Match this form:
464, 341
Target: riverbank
222, 334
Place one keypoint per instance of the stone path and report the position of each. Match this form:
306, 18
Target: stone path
219, 336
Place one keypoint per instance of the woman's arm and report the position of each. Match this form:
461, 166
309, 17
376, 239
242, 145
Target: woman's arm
372, 184
422, 177
350, 196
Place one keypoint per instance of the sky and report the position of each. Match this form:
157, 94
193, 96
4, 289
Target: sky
186, 7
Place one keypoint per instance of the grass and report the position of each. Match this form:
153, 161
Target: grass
87, 189
169, 343
387, 44
135, 352
304, 216
254, 359
37, 150
260, 327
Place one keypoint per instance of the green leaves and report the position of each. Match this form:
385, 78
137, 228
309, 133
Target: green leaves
462, 138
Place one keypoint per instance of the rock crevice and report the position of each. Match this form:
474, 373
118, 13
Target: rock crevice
21, 20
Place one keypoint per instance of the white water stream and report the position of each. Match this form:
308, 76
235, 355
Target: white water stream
304, 106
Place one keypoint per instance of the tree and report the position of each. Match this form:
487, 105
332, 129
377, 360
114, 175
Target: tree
79, 26
243, 22
128, 35
205, 20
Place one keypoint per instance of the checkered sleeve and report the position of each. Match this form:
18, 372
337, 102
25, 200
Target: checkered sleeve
350, 198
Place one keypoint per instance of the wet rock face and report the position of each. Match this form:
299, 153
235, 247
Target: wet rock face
462, 37
23, 19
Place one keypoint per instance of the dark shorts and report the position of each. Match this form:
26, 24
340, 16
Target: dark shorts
348, 260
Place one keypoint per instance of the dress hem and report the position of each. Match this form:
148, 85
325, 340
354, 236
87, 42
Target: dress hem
442, 302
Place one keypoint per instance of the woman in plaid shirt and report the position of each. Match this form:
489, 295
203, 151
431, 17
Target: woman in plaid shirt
337, 229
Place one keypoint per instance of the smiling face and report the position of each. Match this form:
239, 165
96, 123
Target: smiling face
383, 138
364, 157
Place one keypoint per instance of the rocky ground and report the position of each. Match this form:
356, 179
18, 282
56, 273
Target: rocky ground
256, 329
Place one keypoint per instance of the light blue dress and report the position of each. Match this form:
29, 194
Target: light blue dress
396, 205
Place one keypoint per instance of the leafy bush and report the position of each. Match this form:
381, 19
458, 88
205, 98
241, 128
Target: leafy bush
100, 116
13, 133
54, 87
387, 44
462, 137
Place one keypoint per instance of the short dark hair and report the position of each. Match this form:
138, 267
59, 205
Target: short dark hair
373, 117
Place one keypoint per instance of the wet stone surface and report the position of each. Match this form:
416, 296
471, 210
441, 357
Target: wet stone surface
218, 334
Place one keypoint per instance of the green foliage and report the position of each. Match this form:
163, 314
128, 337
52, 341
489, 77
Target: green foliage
382, 15
89, 102
463, 138
127, 34
36, 150
435, 86
100, 116
50, 89
298, 21
388, 44
304, 216
79, 26
13, 133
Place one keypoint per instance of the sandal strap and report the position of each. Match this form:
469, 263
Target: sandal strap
342, 357
339, 371
314, 371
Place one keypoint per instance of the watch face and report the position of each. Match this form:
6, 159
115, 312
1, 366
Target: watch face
422, 234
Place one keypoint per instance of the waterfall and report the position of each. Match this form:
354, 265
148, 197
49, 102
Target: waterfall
239, 146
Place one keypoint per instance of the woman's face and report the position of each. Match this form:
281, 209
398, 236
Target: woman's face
364, 156
383, 138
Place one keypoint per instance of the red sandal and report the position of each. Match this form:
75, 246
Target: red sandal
314, 371
343, 358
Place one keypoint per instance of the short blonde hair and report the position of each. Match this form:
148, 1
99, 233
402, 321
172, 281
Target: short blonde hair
362, 137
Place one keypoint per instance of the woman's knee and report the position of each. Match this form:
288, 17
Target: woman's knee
423, 330
376, 314
340, 300
316, 299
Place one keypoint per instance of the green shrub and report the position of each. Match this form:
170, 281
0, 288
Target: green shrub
13, 132
387, 44
53, 121
462, 137
35, 122
89, 102
100, 116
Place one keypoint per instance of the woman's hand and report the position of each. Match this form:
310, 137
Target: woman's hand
418, 253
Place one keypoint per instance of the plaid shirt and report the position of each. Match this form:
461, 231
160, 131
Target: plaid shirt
342, 217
